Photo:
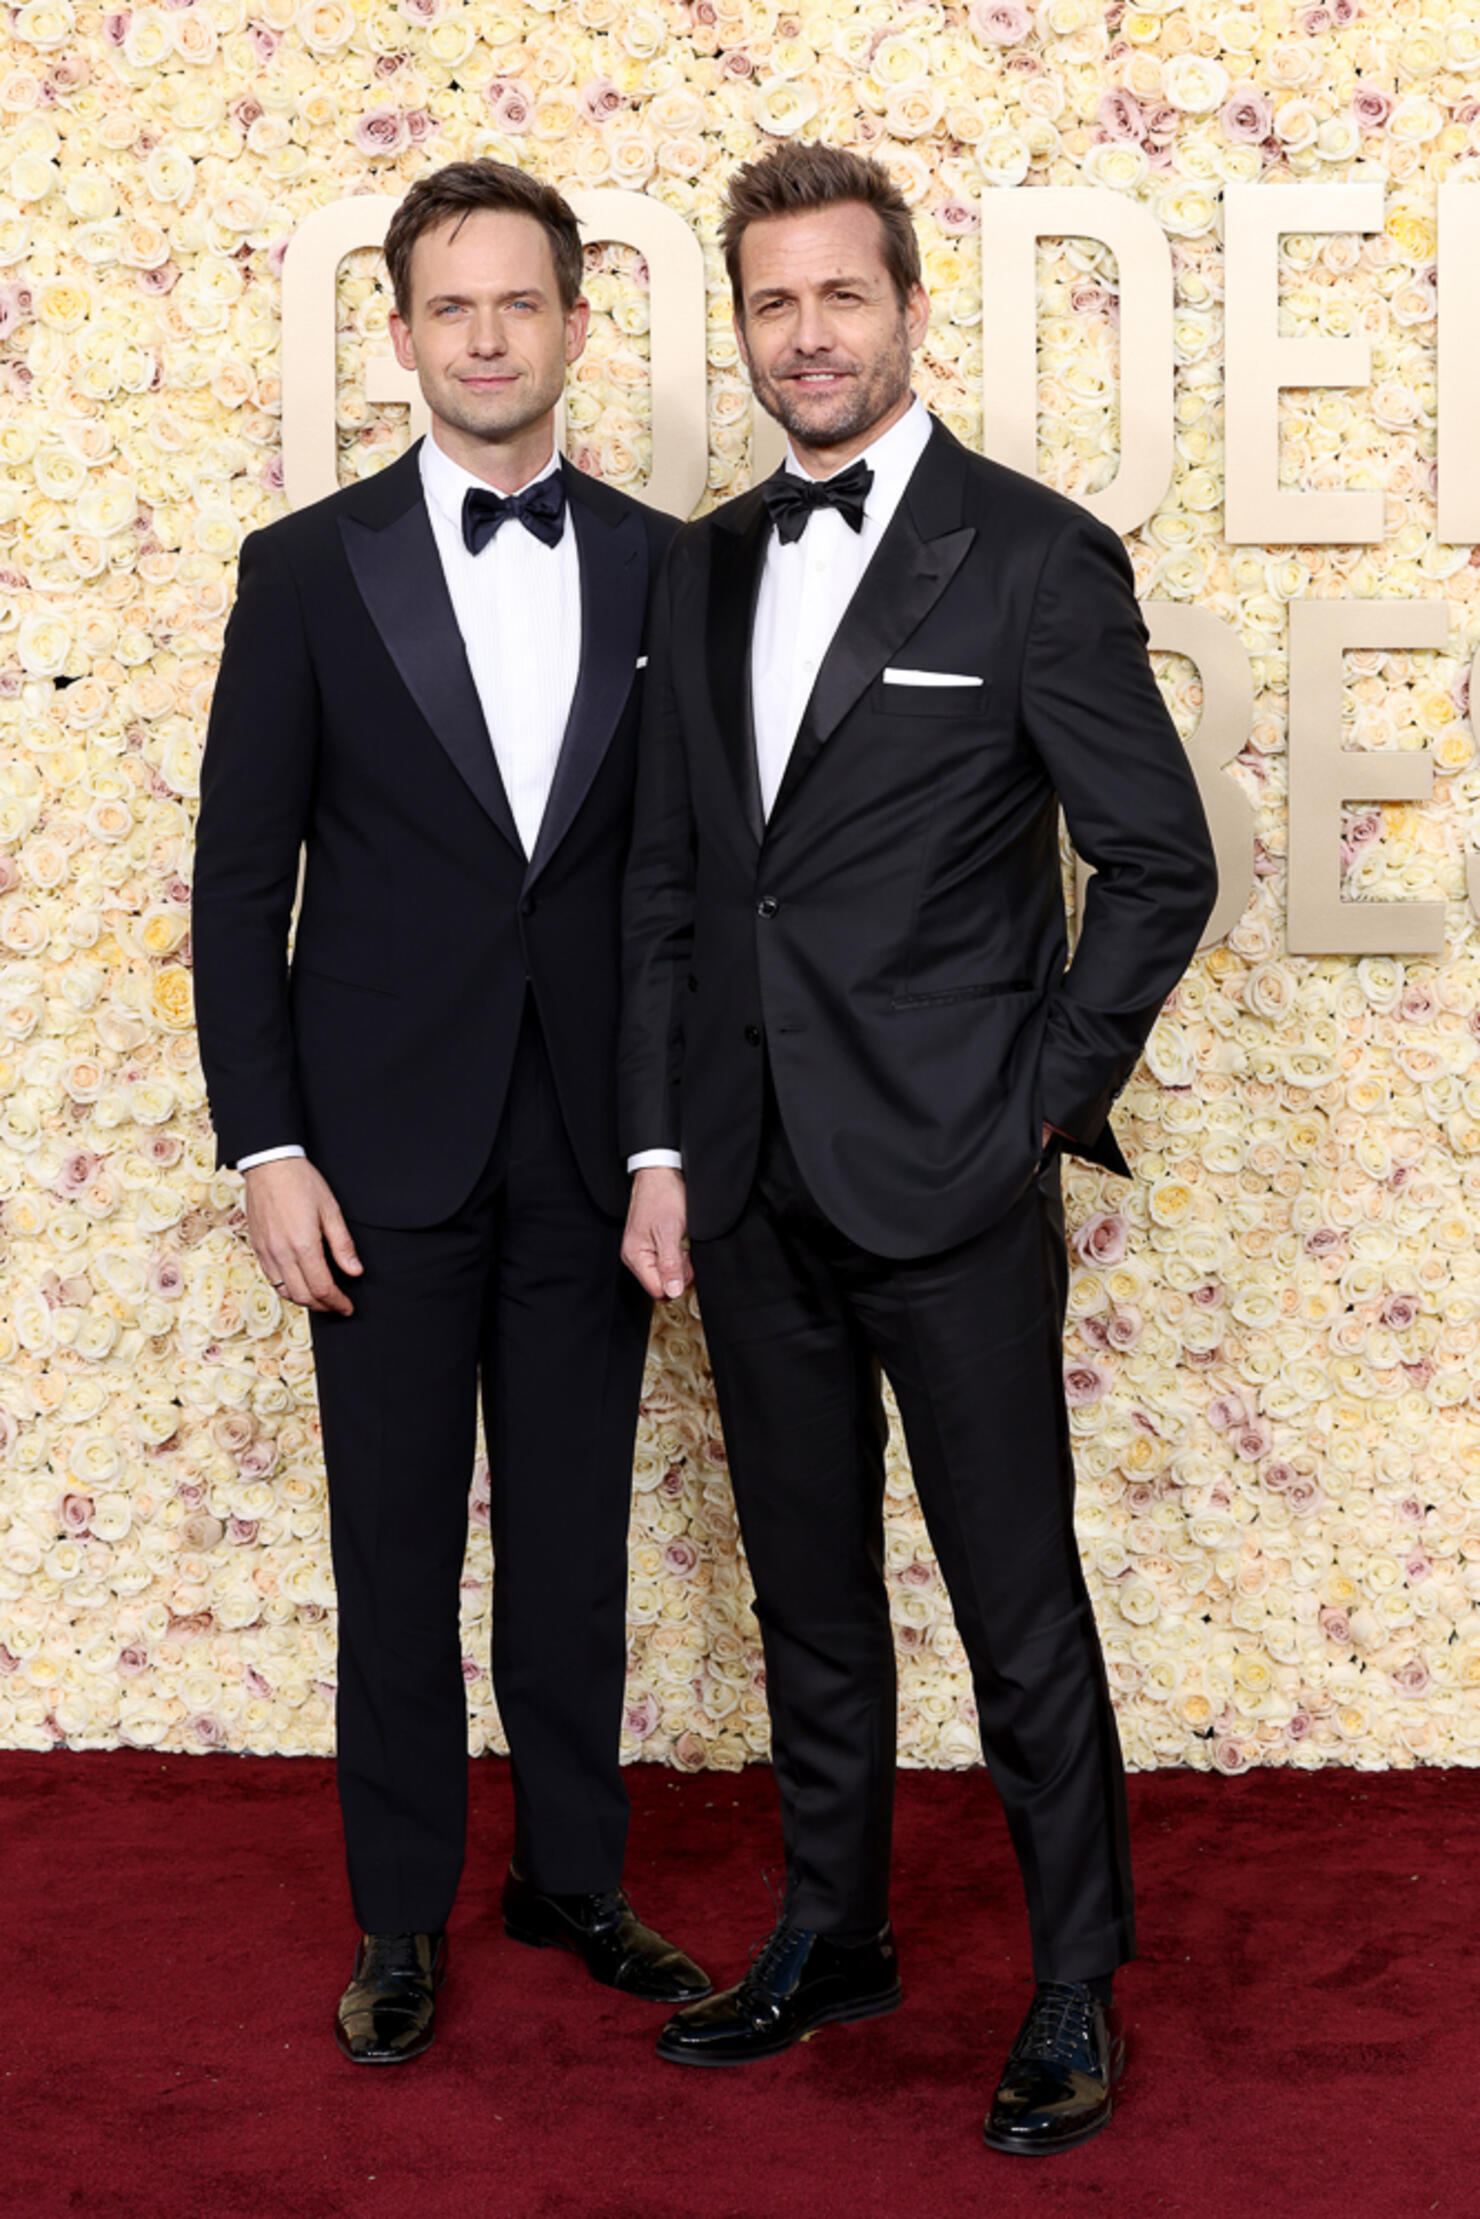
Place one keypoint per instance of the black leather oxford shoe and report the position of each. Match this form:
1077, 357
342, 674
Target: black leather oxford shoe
1055, 2089
386, 2014
606, 1934
797, 1980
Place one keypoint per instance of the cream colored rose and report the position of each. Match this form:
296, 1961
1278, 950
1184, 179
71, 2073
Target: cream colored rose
781, 107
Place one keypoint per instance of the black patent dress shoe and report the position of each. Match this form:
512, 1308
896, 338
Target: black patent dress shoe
386, 2014
607, 1935
797, 1980
1056, 2088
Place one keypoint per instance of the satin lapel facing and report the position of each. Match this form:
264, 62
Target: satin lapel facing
399, 574
734, 582
907, 576
613, 602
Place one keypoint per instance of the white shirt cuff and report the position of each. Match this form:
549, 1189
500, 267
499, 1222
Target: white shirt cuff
269, 1155
651, 1159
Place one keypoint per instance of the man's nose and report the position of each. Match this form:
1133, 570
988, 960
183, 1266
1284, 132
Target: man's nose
486, 332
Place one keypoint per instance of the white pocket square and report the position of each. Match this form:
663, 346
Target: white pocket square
929, 678
642, 662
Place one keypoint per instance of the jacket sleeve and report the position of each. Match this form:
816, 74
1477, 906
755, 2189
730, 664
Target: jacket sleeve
1094, 712
257, 783
657, 902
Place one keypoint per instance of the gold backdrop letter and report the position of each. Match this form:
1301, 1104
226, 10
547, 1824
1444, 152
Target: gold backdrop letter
1324, 775
1459, 351
1013, 221
318, 246
1258, 363
1181, 628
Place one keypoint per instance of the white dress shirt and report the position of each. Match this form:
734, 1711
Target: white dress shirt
805, 590
518, 608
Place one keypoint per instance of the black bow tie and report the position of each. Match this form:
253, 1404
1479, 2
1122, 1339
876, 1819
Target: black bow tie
791, 499
540, 508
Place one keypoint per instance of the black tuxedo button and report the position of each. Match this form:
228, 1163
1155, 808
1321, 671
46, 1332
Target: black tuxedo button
526, 907
767, 906
752, 1036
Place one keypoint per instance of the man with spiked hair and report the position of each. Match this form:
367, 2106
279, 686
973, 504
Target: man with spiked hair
876, 679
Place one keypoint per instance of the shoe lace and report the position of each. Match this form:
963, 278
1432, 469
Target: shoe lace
1058, 2026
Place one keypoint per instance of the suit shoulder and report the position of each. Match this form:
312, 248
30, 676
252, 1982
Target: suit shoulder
300, 531
1024, 504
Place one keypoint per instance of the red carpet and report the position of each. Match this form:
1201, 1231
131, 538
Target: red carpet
1305, 2018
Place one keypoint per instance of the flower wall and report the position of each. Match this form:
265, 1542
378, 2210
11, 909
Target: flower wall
1275, 1329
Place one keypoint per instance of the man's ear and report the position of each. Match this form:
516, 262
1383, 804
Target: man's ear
739, 324
401, 341
577, 325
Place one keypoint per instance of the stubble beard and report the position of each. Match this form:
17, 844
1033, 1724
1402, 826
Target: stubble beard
872, 392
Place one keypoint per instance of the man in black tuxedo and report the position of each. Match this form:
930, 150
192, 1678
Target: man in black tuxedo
875, 680
430, 685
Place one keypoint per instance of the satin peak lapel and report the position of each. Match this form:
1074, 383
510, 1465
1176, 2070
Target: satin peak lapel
614, 575
912, 565
399, 574
736, 551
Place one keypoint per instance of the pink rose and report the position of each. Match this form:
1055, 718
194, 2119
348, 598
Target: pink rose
1418, 1004
207, 1730
161, 280
76, 1173
1314, 22
420, 124
115, 27
471, 1671
257, 1683
1119, 115
132, 1661
1228, 1410
1417, 1568
641, 1719
1246, 115
1084, 1383
243, 1531
1251, 1441
1305, 1495
1412, 1678
166, 1279
1095, 1331
957, 218
74, 1513
381, 131
1371, 106
1336, 1626
1125, 1327
264, 42
512, 105
201, 1530
1102, 1238
999, 22
1399, 1312
1209, 1296
600, 100
1231, 1757
680, 1557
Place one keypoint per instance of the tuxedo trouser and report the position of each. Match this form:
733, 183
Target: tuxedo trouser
800, 1321
521, 1290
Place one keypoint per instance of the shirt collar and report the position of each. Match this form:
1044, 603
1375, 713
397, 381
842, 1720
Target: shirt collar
445, 482
891, 457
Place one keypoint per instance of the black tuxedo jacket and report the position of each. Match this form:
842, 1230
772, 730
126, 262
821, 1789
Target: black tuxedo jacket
892, 939
346, 728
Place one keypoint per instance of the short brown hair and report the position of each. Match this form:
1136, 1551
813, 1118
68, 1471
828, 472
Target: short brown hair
795, 177
461, 188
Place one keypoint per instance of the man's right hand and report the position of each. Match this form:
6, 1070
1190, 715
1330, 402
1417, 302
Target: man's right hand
653, 1247
291, 1218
